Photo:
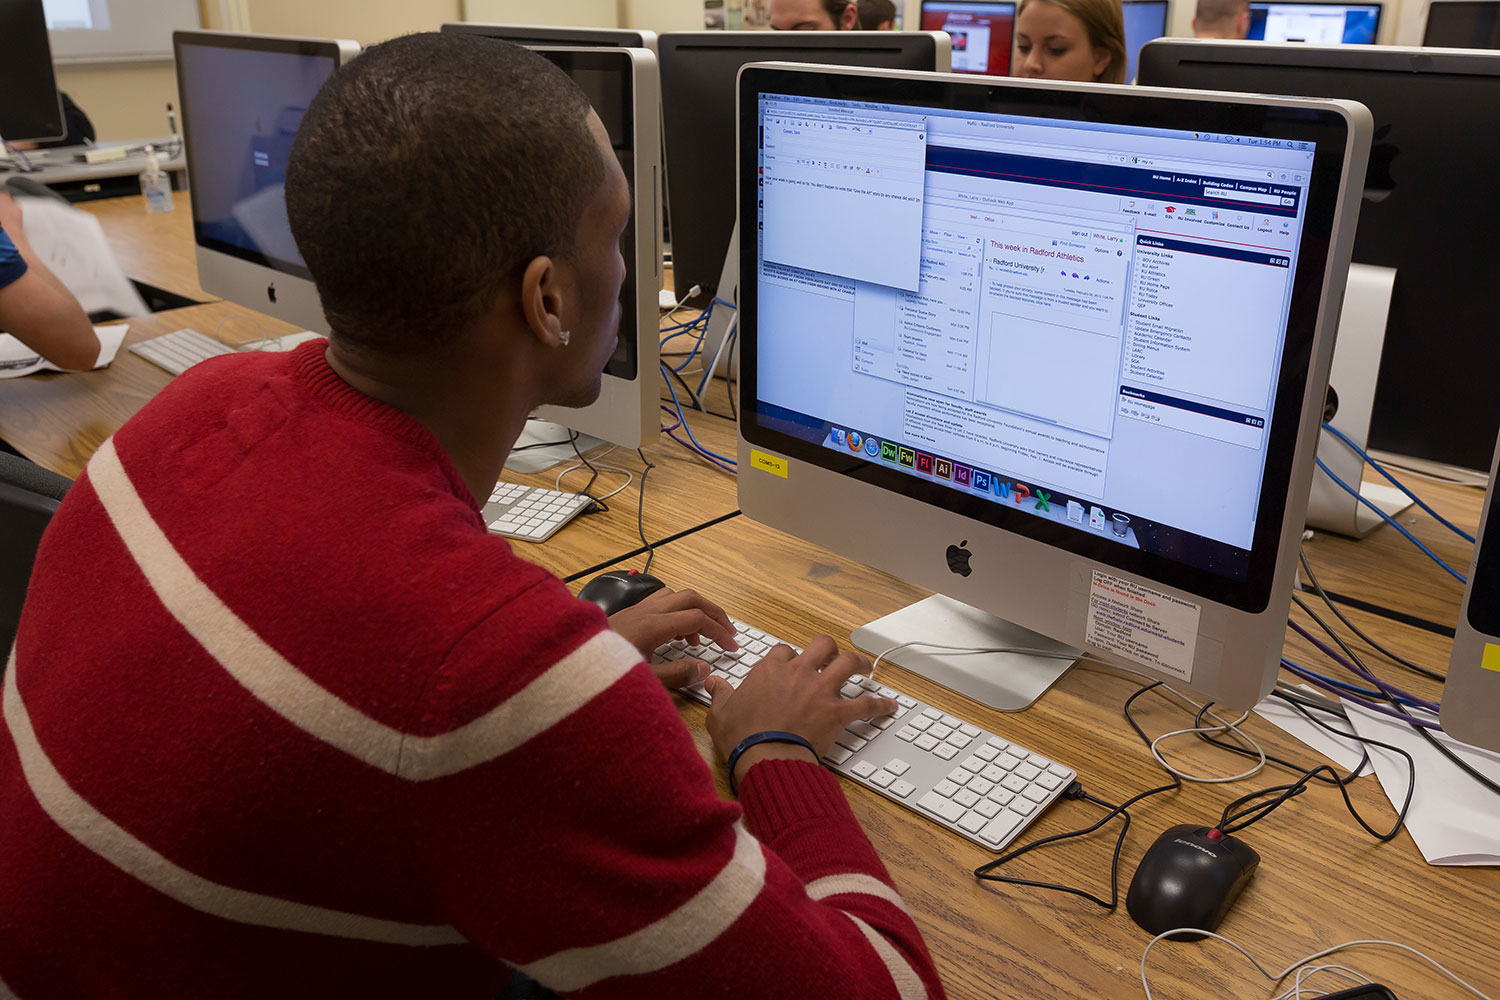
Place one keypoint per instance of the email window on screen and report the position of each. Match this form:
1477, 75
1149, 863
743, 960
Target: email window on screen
1095, 311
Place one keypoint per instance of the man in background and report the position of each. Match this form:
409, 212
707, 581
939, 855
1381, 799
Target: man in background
814, 15
877, 15
1222, 19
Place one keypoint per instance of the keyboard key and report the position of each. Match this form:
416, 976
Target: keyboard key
997, 743
907, 733
897, 766
973, 764
947, 751
959, 776
849, 741
1036, 793
1008, 762
1000, 796
920, 722
993, 773
932, 713
869, 684
987, 807
906, 701
838, 755
944, 808
902, 788
1000, 827
1015, 784
951, 722
883, 721
886, 692
863, 769
970, 731
1022, 806
940, 732
945, 788
851, 691
925, 742
959, 740
986, 753
966, 798
882, 778
1049, 781
864, 729
981, 786
972, 822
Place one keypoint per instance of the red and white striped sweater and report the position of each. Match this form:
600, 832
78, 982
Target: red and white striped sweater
283, 721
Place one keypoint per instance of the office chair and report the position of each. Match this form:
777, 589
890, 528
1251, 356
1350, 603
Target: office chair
28, 496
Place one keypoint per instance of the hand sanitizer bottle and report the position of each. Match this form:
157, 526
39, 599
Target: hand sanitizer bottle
155, 184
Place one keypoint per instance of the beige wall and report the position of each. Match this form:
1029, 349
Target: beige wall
123, 102
365, 21
662, 15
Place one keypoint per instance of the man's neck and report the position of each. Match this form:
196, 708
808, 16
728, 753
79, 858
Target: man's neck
475, 421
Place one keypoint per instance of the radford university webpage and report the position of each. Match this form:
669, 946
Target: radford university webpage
1081, 319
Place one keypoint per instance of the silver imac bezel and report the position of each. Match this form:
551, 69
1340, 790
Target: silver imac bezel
1471, 694
557, 35
270, 290
627, 412
1037, 585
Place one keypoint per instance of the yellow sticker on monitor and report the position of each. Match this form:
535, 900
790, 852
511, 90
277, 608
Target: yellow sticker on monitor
1491, 659
768, 463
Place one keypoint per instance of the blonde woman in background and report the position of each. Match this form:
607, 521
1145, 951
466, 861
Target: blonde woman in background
1079, 40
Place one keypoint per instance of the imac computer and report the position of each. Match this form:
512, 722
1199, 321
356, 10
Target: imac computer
30, 108
1463, 24
698, 70
1421, 218
981, 33
1056, 351
1471, 694
1144, 20
242, 98
1315, 23
621, 84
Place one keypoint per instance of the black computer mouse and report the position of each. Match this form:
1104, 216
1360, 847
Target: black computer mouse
1189, 878
619, 589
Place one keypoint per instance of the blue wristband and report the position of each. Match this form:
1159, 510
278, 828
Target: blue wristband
769, 736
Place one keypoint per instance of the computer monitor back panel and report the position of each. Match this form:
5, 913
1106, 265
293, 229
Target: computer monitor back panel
242, 98
1471, 695
1144, 20
698, 70
1425, 214
30, 108
622, 87
1056, 351
1315, 23
981, 33
1462, 24
532, 34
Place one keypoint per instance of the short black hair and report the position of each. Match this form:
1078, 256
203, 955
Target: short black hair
424, 177
874, 13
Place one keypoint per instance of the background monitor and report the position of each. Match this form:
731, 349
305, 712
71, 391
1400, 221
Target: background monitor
981, 33
1144, 20
532, 34
1463, 24
30, 108
1315, 23
1471, 694
698, 70
622, 86
1054, 351
1424, 213
242, 98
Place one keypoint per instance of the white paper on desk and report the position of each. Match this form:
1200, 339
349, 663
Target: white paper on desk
1347, 754
71, 243
16, 359
1453, 819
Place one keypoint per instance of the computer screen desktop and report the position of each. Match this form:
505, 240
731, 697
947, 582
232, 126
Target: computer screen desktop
1144, 20
981, 32
1093, 333
1315, 23
1463, 24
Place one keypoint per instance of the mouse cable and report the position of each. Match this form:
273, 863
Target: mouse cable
1395, 702
1207, 736
1232, 821
1397, 658
1075, 791
1276, 977
596, 505
640, 511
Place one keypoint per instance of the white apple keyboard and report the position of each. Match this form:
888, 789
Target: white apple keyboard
962, 777
180, 350
530, 513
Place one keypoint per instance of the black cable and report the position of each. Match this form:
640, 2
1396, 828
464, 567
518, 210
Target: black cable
1208, 737
1323, 594
1075, 791
541, 444
1231, 821
692, 396
596, 506
640, 512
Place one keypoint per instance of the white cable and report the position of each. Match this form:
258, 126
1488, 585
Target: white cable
695, 290
1279, 976
265, 338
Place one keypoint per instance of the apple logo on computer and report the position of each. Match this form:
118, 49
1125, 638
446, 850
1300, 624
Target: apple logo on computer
958, 558
1379, 183
271, 291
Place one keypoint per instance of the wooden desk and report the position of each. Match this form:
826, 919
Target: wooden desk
155, 249
1322, 880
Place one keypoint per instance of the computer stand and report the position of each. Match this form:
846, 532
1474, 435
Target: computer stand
1356, 363
1005, 681
544, 444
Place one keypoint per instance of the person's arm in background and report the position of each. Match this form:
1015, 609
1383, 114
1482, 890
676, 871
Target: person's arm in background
36, 308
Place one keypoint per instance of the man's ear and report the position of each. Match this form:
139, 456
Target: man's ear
850, 17
542, 301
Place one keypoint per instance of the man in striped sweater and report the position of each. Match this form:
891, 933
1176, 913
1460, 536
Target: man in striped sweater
316, 734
